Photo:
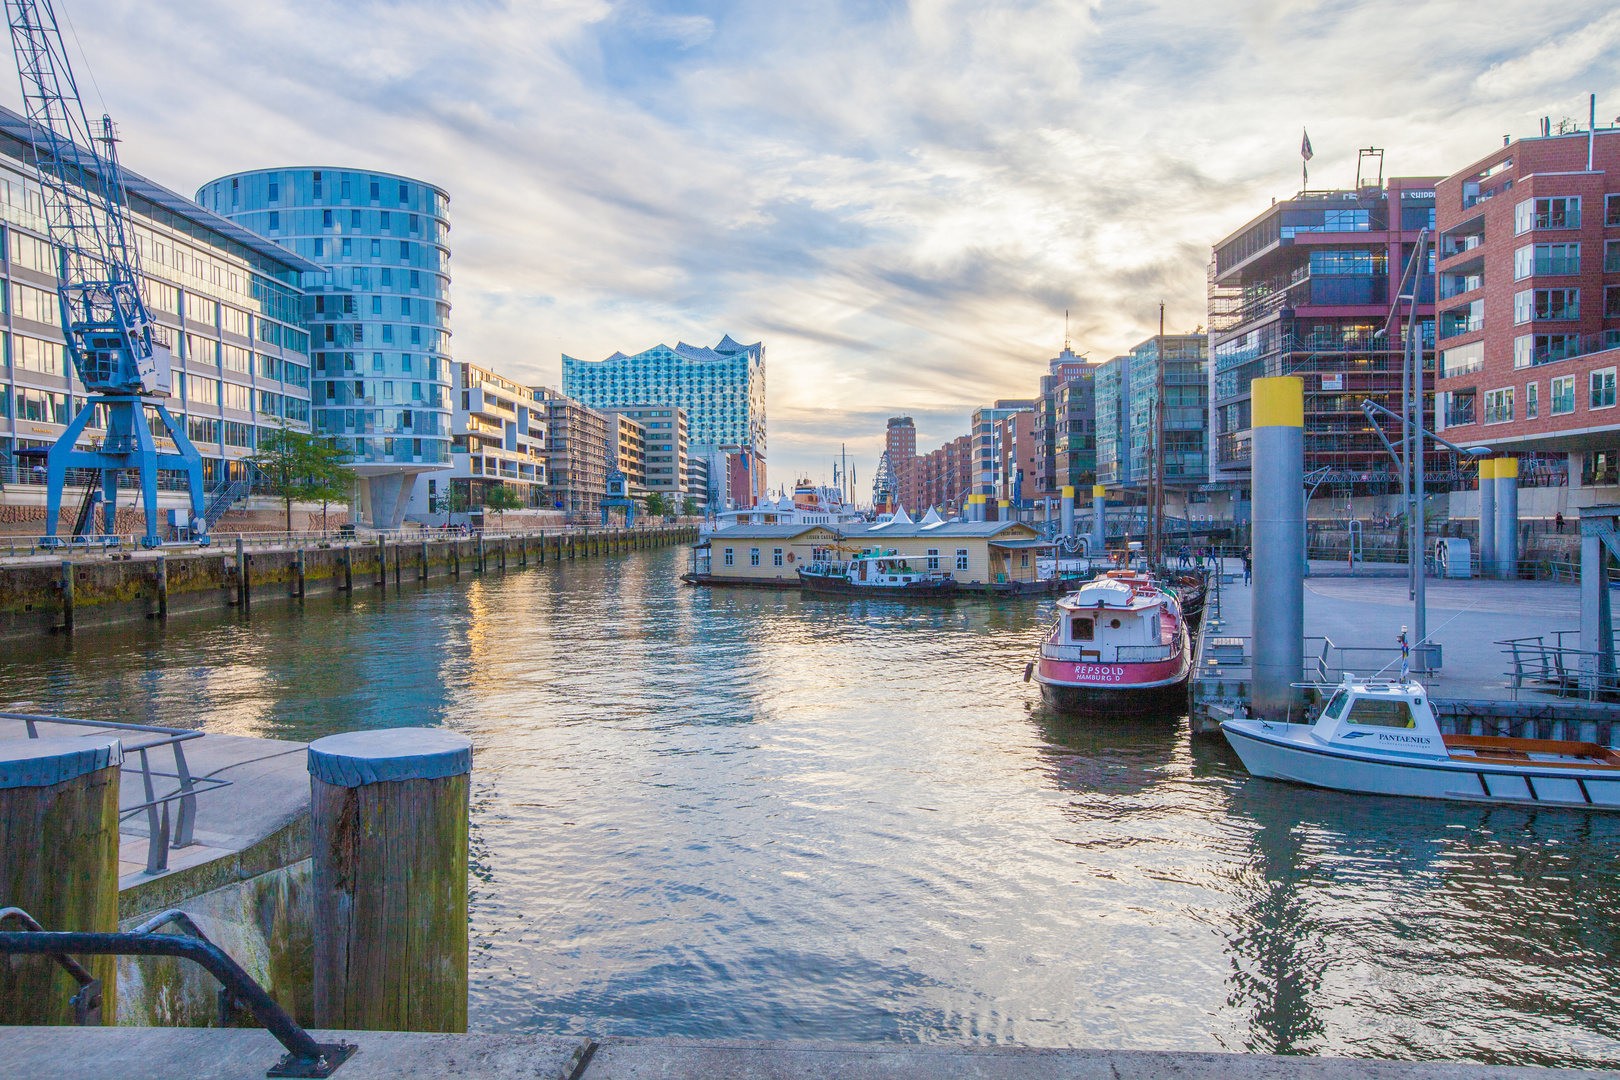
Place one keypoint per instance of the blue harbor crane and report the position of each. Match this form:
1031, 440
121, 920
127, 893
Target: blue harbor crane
121, 356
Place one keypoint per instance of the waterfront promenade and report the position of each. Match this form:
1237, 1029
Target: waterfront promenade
203, 1054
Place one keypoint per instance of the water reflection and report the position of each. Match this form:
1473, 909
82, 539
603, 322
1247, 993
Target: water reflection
747, 813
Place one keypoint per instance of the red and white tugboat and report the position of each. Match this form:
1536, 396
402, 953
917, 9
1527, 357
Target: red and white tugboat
1120, 644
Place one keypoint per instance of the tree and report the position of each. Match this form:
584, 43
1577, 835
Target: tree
300, 467
657, 505
689, 507
500, 498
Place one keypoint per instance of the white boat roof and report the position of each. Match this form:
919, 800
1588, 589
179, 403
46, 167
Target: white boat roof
1116, 594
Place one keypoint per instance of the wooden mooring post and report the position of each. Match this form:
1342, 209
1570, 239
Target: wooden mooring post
59, 839
163, 586
382, 562
423, 576
348, 568
299, 580
241, 575
67, 597
389, 848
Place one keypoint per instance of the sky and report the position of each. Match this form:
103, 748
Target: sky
900, 200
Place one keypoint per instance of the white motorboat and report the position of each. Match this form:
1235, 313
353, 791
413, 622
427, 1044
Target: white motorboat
1381, 737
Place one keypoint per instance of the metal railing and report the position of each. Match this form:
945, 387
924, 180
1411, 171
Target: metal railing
1562, 670
304, 1057
1333, 661
1146, 654
187, 786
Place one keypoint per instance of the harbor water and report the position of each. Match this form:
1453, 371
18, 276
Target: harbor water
754, 814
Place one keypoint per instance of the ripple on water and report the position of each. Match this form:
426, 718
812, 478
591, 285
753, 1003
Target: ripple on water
739, 813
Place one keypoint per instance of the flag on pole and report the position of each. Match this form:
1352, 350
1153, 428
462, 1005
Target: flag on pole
1305, 155
1305, 146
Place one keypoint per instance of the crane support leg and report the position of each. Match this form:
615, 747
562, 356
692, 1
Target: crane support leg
56, 466
109, 502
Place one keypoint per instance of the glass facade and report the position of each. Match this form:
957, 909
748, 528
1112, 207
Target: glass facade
378, 314
229, 300
721, 389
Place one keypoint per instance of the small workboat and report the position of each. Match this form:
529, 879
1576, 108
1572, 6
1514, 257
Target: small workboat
884, 573
1119, 643
1381, 737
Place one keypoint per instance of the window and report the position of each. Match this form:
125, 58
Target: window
377, 365
275, 191
753, 556
776, 556
320, 247
416, 279
1611, 209
731, 557
1523, 217
1557, 258
961, 558
345, 190
315, 185
1602, 389
933, 558
404, 193
404, 250
348, 247
1499, 405
1371, 712
1562, 394
1532, 400
1461, 360
1524, 306
376, 249
1462, 320
1561, 213
275, 220
376, 191
376, 305
1611, 302
1457, 408
1558, 303
326, 219
1082, 630
1524, 350
413, 223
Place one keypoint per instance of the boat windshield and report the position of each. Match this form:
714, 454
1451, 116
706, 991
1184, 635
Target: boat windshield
1382, 712
1335, 705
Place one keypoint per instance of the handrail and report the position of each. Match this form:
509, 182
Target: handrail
186, 790
304, 1057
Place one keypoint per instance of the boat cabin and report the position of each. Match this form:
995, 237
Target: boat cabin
1384, 714
1121, 617
880, 566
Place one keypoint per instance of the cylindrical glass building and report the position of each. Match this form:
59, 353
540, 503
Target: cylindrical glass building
378, 318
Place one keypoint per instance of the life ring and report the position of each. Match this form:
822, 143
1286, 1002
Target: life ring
790, 556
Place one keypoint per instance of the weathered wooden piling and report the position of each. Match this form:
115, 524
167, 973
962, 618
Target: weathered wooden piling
389, 847
298, 580
241, 575
396, 564
163, 586
348, 568
382, 562
455, 557
59, 836
67, 597
423, 569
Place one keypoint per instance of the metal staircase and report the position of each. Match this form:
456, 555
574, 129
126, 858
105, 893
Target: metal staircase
222, 498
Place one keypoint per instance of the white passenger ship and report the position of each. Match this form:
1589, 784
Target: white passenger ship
1118, 644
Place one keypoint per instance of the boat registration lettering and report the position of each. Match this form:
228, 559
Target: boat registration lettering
1105, 672
1385, 737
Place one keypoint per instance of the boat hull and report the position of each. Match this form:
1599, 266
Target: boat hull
1280, 754
753, 583
832, 586
1083, 687
1088, 700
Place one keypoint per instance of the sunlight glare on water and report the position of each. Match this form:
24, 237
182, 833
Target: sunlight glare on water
739, 813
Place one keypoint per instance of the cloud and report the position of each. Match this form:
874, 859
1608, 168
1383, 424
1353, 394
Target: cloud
901, 199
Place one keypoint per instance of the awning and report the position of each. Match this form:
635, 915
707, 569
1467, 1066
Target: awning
1036, 543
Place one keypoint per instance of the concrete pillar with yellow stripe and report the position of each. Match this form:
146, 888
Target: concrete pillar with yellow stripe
1507, 518
1066, 513
1099, 522
1487, 517
1278, 549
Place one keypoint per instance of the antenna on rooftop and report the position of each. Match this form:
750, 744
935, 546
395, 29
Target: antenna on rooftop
1065, 329
1364, 173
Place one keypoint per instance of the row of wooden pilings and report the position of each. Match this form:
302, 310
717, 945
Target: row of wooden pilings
389, 815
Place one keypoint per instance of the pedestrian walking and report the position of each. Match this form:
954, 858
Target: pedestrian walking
1558, 522
1248, 567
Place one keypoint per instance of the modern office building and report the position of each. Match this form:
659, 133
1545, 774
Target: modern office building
1305, 289
497, 438
900, 454
664, 437
1111, 418
580, 451
987, 444
229, 299
1021, 459
945, 476
1529, 277
1065, 423
722, 391
378, 311
1178, 438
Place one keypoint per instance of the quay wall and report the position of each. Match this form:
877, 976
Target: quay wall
41, 597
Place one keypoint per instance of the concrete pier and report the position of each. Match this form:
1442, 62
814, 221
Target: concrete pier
241, 1054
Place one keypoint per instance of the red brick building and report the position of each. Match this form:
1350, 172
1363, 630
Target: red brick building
1529, 302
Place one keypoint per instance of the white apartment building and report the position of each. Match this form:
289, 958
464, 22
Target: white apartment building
497, 437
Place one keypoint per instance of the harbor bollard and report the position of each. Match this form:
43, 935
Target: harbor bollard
1487, 518
1278, 593
389, 848
1066, 513
59, 836
1099, 516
